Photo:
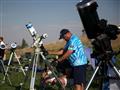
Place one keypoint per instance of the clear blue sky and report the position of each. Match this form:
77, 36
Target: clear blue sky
48, 16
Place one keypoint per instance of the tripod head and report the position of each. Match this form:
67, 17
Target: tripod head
97, 30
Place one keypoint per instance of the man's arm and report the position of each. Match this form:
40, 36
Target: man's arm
60, 52
65, 55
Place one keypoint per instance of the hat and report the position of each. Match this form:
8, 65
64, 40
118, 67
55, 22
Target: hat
63, 32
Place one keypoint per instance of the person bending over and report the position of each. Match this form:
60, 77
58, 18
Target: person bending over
73, 51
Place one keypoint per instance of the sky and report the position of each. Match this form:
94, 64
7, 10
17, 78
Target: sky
48, 16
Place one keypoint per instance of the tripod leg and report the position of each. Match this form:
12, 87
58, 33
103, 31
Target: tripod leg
34, 69
19, 64
27, 74
97, 68
11, 56
48, 64
4, 72
115, 69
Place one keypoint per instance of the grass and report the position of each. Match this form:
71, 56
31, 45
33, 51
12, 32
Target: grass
17, 77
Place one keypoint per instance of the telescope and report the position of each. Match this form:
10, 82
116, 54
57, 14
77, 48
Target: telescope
2, 45
37, 39
40, 52
96, 29
100, 33
13, 46
93, 26
89, 16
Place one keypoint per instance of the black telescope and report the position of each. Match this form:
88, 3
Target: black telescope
87, 11
101, 34
94, 27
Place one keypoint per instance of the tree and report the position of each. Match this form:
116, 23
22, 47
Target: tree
24, 43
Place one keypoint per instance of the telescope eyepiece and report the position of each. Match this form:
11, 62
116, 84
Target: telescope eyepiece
2, 45
13, 45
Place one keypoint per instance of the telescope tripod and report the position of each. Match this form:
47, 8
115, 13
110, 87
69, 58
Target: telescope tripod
37, 55
3, 67
104, 71
12, 55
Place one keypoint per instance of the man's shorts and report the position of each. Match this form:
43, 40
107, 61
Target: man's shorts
79, 74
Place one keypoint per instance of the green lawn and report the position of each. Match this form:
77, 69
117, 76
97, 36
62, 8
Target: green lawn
18, 77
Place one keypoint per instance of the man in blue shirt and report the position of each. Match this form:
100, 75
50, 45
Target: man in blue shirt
74, 52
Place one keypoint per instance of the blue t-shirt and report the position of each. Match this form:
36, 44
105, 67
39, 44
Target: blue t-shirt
78, 56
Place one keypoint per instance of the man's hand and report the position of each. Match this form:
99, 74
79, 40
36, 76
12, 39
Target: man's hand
65, 55
60, 60
54, 63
